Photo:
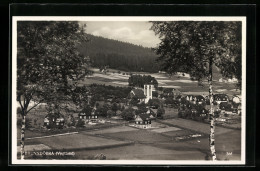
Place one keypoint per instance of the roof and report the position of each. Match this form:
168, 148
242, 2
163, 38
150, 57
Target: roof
145, 117
138, 93
168, 90
222, 97
199, 97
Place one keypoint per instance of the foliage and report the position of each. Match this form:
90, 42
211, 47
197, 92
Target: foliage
134, 101
194, 46
128, 114
110, 113
154, 102
160, 112
141, 80
114, 107
141, 108
106, 92
225, 106
70, 121
155, 94
80, 123
28, 122
119, 55
48, 62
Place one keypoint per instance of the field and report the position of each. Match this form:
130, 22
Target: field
159, 143
183, 83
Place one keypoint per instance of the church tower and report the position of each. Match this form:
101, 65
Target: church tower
148, 92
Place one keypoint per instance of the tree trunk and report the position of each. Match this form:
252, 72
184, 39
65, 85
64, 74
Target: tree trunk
22, 137
211, 115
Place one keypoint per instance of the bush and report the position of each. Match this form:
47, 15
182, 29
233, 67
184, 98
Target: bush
80, 123
128, 114
160, 112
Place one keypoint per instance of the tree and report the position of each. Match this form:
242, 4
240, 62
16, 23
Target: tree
154, 103
195, 47
128, 114
49, 65
160, 112
114, 107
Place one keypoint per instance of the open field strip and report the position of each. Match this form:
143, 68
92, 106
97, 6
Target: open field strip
168, 129
48, 136
139, 136
169, 86
121, 83
79, 141
112, 130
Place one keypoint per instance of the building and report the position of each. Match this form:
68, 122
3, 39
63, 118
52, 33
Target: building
200, 99
88, 115
148, 92
137, 93
203, 113
143, 121
218, 98
54, 121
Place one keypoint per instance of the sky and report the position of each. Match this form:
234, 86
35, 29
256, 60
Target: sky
136, 32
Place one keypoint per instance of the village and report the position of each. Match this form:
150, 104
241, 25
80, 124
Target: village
121, 113
142, 105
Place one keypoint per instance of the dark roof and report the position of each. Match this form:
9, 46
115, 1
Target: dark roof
220, 96
199, 98
139, 93
145, 117
168, 90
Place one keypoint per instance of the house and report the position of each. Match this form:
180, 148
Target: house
172, 92
218, 98
200, 99
54, 120
137, 93
203, 112
88, 115
143, 121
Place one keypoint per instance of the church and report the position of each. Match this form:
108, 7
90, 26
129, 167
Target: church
142, 95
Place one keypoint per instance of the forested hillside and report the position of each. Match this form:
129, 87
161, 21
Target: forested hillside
119, 55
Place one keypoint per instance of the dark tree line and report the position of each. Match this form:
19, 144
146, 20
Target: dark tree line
109, 91
119, 55
140, 80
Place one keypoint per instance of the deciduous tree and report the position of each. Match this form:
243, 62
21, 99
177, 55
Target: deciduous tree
48, 64
195, 47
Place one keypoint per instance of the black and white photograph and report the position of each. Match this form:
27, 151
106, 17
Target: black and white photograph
128, 90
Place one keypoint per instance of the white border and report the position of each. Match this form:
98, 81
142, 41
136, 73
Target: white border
127, 162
